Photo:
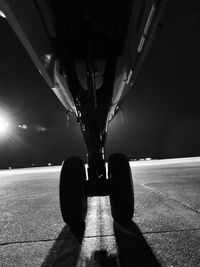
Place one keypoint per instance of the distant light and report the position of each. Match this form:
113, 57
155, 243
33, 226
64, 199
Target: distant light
24, 126
10, 168
20, 126
49, 164
2, 14
148, 159
40, 128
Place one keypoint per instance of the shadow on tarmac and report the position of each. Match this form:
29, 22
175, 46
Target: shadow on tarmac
66, 249
133, 249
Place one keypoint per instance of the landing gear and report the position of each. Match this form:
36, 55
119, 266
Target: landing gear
121, 188
74, 189
94, 114
73, 202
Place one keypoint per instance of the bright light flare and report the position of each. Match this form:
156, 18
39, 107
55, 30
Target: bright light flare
4, 126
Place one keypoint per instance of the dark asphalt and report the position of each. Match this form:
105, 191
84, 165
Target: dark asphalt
165, 227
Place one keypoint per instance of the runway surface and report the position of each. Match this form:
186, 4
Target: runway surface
165, 230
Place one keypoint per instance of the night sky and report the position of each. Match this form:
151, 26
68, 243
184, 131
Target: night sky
161, 114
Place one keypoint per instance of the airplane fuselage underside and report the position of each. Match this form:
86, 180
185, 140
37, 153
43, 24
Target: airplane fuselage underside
89, 53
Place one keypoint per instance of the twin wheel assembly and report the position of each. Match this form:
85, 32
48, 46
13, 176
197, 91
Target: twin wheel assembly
73, 191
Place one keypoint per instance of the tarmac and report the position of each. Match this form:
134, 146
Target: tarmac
165, 229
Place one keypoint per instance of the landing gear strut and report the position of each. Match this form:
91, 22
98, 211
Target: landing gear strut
93, 115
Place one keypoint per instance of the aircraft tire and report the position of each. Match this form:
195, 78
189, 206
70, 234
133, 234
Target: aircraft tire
73, 203
121, 189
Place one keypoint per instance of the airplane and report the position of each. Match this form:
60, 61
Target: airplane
89, 53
